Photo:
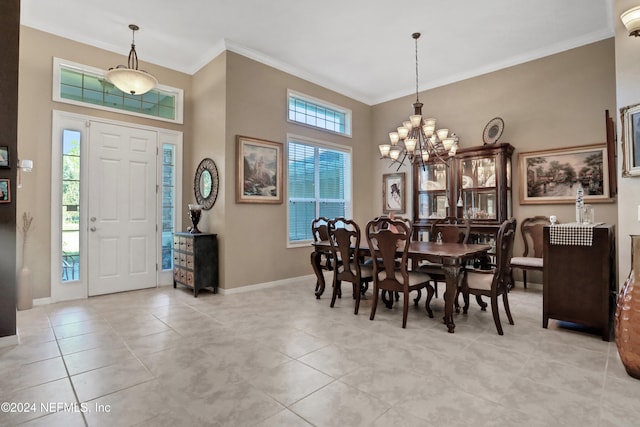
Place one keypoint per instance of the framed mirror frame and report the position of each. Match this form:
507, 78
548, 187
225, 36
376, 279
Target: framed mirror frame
206, 183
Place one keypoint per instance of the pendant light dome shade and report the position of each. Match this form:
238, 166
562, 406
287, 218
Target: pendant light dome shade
128, 78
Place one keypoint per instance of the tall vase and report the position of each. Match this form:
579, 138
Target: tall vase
627, 322
25, 291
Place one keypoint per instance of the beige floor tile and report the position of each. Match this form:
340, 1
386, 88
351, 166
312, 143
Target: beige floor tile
281, 357
102, 381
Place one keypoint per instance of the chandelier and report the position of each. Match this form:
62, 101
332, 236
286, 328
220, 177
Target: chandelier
128, 78
417, 140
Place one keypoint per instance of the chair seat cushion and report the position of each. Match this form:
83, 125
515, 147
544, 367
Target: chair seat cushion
480, 281
525, 261
414, 277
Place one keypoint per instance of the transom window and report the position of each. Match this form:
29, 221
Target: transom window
309, 111
82, 85
319, 184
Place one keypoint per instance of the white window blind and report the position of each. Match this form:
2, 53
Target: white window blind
319, 184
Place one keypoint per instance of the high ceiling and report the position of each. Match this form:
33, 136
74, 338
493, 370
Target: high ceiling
361, 48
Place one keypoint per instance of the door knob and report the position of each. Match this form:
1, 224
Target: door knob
92, 229
92, 219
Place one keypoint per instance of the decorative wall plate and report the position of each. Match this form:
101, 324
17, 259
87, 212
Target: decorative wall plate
493, 131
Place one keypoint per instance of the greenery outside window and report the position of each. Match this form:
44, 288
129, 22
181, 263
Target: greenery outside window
313, 112
319, 184
87, 86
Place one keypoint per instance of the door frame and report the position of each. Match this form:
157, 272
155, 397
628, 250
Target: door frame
62, 291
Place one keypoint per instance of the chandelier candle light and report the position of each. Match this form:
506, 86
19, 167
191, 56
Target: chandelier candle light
417, 139
128, 78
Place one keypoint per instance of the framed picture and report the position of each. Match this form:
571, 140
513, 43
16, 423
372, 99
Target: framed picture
5, 191
393, 193
630, 117
4, 156
259, 178
553, 176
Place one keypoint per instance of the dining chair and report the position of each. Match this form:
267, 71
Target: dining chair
344, 239
531, 259
320, 233
497, 282
386, 238
450, 230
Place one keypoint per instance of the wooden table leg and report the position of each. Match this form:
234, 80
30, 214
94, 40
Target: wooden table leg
316, 258
452, 277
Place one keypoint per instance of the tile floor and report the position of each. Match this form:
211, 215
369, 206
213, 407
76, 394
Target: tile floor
280, 357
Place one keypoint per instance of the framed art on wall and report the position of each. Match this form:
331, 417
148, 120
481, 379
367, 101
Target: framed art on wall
259, 171
5, 191
4, 156
393, 193
553, 176
630, 117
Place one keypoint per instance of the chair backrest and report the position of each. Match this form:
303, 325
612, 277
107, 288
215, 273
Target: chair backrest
344, 237
453, 230
319, 229
531, 229
386, 237
504, 253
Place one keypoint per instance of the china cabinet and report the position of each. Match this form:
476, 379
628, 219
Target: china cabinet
476, 183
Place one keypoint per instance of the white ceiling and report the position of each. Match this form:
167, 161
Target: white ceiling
361, 48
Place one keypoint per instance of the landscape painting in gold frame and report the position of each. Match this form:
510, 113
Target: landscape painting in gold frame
259, 167
553, 176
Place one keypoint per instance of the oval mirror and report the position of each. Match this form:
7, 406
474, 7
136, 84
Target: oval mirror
205, 183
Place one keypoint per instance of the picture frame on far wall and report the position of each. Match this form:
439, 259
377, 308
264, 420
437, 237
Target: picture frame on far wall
393, 193
552, 176
5, 191
630, 118
4, 156
259, 170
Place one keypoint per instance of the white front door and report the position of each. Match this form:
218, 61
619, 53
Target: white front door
122, 209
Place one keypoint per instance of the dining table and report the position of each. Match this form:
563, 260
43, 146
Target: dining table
452, 256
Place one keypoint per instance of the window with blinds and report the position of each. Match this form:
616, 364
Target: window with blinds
319, 114
319, 184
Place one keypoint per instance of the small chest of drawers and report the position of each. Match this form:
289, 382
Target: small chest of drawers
195, 261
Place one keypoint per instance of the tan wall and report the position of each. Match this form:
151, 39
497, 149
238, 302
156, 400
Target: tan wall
556, 101
552, 102
209, 116
628, 93
35, 105
255, 234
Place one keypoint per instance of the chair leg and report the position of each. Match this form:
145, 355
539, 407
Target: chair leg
336, 287
427, 304
415, 301
524, 278
496, 315
405, 309
374, 303
482, 304
505, 301
356, 295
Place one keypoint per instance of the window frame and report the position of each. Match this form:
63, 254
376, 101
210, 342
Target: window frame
348, 185
59, 63
324, 104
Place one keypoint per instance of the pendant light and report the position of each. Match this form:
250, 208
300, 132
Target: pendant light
128, 78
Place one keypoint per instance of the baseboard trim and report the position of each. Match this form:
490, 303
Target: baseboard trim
266, 285
9, 340
42, 301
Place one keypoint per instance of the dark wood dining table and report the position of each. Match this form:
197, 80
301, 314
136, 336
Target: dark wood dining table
450, 255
